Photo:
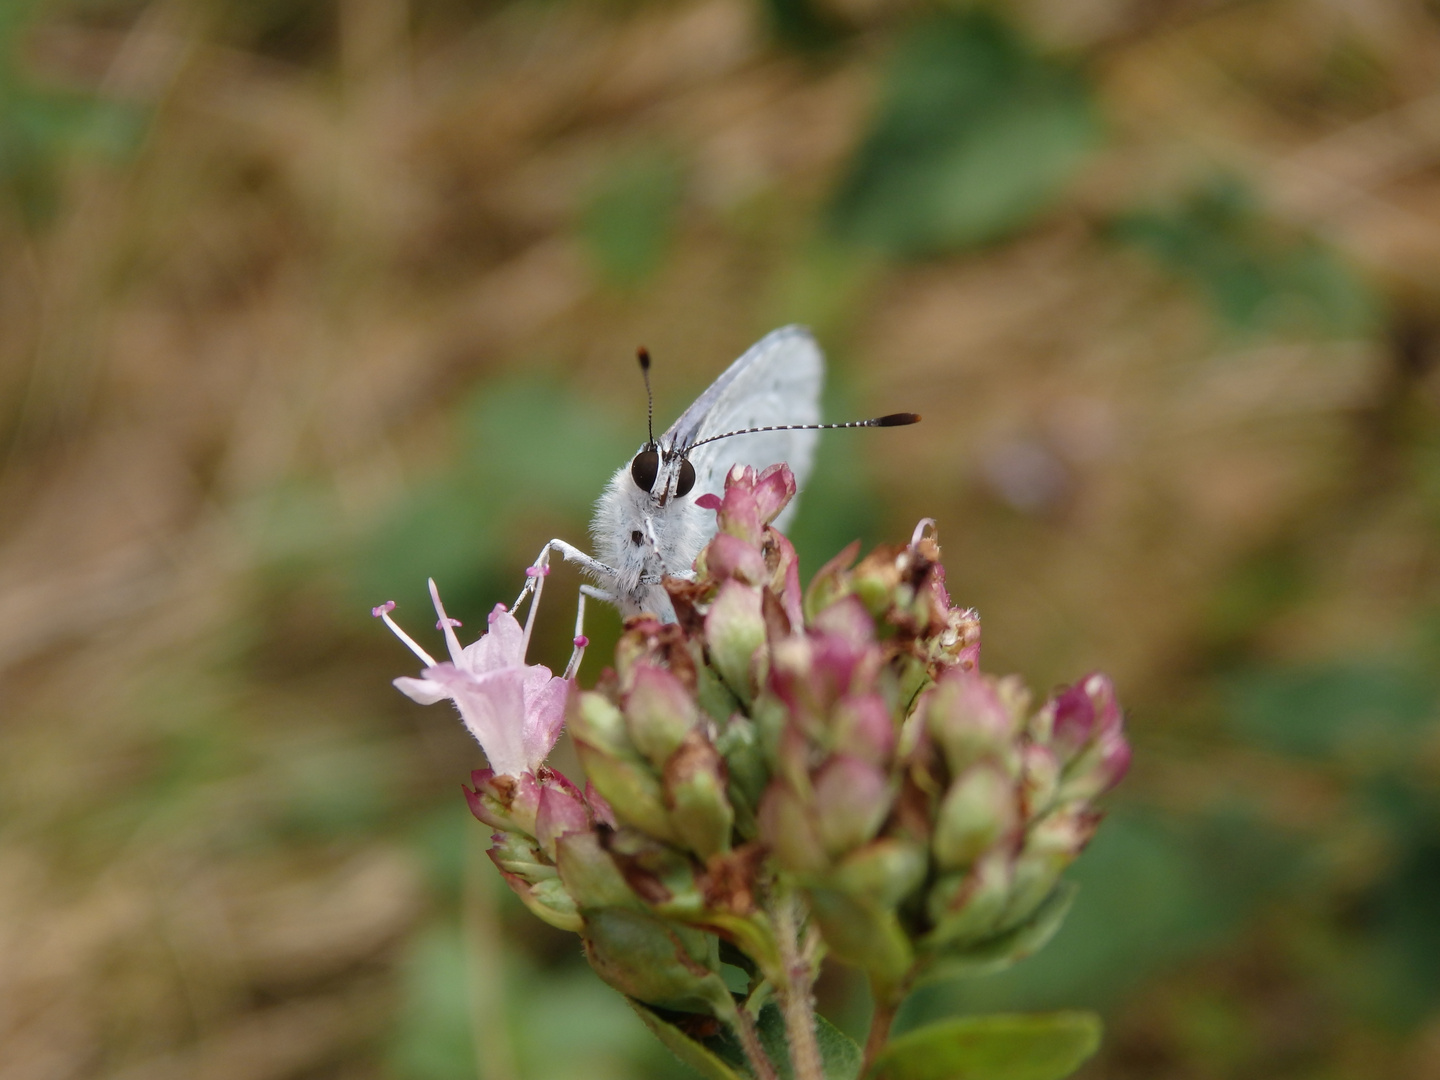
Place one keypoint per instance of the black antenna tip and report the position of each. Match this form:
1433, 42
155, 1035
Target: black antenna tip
643, 355
897, 419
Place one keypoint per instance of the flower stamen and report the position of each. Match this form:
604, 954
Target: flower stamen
383, 612
447, 624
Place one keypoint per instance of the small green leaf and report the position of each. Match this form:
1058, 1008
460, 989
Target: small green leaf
838, 1052
1041, 1046
689, 1050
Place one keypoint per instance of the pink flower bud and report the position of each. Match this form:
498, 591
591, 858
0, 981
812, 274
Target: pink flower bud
969, 718
504, 802
731, 557
561, 812
774, 488
852, 800
861, 726
735, 632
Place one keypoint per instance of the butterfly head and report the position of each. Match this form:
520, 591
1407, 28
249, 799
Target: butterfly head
663, 474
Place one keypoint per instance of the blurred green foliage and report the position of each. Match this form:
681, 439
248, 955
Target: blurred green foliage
1365, 714
976, 135
1256, 274
41, 126
800, 24
432, 1039
629, 220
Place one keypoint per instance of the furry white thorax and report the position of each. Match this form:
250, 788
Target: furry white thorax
673, 530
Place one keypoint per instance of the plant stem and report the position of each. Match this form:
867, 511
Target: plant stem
879, 1034
796, 998
760, 1062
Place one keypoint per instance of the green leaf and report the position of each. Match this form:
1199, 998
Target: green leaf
977, 135
838, 1052
1041, 1046
700, 1057
720, 1057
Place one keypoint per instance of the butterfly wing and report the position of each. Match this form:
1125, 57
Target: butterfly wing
777, 381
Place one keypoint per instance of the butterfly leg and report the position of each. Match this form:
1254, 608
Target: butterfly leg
539, 570
580, 639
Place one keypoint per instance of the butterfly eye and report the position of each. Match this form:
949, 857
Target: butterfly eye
645, 468
687, 478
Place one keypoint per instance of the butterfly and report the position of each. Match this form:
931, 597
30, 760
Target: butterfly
763, 409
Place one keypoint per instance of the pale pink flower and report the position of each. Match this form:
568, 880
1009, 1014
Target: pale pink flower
515, 710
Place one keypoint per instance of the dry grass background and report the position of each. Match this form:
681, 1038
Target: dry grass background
262, 268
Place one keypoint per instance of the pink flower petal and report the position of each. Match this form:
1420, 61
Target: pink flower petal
501, 646
493, 708
545, 697
425, 691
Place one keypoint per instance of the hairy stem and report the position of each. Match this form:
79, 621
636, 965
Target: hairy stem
760, 1062
796, 996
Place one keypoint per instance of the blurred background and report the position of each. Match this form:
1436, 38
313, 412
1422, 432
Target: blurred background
302, 301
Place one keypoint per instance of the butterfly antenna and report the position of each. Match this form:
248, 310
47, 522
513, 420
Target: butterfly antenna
898, 419
643, 355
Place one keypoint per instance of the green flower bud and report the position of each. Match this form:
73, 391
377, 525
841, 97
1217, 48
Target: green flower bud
694, 789
661, 875
1050, 846
1040, 779
831, 581
884, 872
617, 770
787, 827
534, 880
967, 907
657, 961
876, 581
864, 934
659, 713
590, 875
978, 811
738, 743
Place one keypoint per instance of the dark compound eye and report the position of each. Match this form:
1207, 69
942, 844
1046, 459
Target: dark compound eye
637, 537
687, 478
644, 469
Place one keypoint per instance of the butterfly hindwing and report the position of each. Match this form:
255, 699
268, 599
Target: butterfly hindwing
777, 381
